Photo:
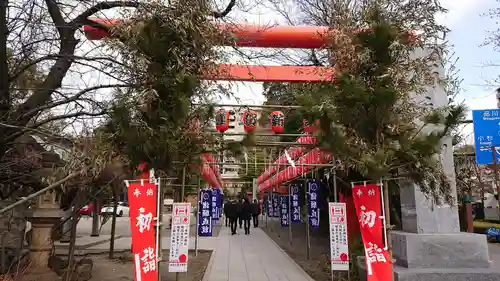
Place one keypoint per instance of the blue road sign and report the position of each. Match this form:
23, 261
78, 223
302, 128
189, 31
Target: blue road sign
486, 134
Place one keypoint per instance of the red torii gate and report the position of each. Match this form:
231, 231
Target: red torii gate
305, 37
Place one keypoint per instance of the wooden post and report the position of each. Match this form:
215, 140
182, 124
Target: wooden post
113, 223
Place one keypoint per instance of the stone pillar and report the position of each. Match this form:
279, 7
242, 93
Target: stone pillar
41, 244
430, 246
44, 215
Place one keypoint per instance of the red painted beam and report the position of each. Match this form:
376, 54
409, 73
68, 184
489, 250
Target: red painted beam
245, 35
259, 73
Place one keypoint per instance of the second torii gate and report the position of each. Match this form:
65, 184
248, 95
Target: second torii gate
303, 37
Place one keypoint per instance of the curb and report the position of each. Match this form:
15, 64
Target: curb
209, 266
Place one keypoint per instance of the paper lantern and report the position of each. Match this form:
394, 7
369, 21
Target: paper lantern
310, 128
277, 122
222, 120
250, 121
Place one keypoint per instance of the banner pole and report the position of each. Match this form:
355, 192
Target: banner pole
197, 214
383, 214
308, 245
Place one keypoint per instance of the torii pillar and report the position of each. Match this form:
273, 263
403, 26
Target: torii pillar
431, 246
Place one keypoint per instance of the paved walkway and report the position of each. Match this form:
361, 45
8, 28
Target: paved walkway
253, 257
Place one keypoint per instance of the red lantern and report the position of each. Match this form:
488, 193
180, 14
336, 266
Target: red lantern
222, 120
277, 122
250, 121
308, 128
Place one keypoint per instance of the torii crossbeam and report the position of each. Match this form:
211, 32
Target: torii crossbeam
304, 37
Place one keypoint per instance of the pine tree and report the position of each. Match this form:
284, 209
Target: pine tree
375, 117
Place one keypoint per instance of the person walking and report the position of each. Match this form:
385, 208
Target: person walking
255, 213
240, 212
232, 214
224, 208
246, 215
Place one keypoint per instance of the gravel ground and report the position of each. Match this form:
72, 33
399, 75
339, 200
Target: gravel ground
122, 269
318, 265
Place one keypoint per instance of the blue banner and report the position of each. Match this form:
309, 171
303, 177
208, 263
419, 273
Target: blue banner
276, 206
270, 211
205, 213
220, 200
215, 204
295, 209
313, 189
284, 210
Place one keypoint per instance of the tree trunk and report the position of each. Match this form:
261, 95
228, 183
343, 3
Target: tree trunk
95, 219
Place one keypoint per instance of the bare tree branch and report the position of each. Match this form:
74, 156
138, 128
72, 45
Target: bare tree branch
82, 18
226, 11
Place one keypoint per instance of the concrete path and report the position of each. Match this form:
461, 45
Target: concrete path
253, 257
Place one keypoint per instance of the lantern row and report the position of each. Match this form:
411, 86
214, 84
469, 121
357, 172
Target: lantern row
224, 117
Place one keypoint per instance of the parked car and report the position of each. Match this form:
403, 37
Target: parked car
87, 210
122, 209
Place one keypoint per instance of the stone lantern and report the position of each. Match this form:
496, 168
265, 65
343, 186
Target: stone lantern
43, 216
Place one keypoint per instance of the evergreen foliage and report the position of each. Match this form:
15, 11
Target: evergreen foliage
166, 50
378, 117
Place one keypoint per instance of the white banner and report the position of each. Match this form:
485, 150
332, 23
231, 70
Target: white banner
179, 238
339, 249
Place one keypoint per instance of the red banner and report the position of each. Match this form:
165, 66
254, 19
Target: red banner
368, 205
142, 201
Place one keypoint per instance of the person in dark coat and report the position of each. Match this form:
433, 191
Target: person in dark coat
240, 212
255, 212
246, 214
232, 214
226, 205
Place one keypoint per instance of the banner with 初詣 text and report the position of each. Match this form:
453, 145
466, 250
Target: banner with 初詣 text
367, 199
142, 204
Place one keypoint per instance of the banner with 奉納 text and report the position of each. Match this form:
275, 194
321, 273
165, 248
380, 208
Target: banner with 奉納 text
220, 200
270, 211
142, 204
368, 203
205, 213
276, 206
284, 210
215, 204
295, 200
313, 190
